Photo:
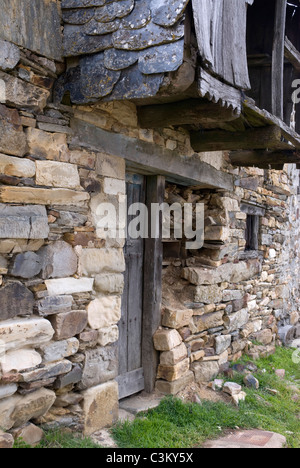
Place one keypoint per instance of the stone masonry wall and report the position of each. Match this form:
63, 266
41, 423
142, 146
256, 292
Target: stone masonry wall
62, 278
221, 301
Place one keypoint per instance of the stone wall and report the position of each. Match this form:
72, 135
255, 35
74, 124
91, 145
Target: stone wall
62, 278
221, 301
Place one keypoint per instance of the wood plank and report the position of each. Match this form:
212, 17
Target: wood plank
259, 117
264, 158
149, 158
131, 383
152, 286
213, 89
278, 58
259, 138
191, 111
292, 54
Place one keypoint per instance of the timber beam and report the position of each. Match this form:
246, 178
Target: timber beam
264, 159
188, 112
258, 138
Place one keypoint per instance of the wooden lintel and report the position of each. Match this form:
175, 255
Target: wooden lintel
257, 138
148, 158
292, 54
264, 159
191, 111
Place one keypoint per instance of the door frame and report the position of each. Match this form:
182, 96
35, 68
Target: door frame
155, 193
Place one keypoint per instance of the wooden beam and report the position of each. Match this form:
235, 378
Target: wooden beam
258, 138
278, 58
292, 54
191, 111
264, 159
213, 89
152, 285
148, 158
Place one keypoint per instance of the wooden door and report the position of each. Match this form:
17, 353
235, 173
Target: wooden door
131, 374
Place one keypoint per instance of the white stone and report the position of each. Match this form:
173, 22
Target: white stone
20, 360
108, 335
232, 388
272, 253
17, 167
114, 186
7, 391
110, 283
57, 174
104, 312
235, 321
95, 261
17, 333
222, 343
62, 286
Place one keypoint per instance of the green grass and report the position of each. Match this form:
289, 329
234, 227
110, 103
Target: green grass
60, 439
175, 424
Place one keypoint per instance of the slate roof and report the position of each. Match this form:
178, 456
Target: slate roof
125, 46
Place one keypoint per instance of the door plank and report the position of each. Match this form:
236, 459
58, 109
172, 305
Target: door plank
131, 383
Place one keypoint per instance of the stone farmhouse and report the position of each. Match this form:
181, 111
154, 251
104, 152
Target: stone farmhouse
143, 101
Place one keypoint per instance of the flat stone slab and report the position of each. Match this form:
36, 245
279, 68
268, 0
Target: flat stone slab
249, 439
140, 403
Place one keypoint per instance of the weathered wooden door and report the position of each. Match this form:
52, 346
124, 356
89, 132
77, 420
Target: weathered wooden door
131, 374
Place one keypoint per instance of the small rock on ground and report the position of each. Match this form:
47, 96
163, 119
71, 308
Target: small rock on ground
143, 402
104, 439
6, 440
249, 439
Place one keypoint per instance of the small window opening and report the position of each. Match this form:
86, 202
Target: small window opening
251, 234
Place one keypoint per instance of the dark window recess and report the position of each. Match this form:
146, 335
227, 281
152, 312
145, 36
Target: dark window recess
251, 234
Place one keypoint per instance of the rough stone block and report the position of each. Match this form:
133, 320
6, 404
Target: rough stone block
26, 265
12, 137
58, 350
32, 406
100, 407
95, 261
47, 371
58, 260
205, 371
69, 324
23, 222
222, 343
71, 378
57, 174
24, 95
174, 372
114, 186
236, 321
7, 391
110, 166
176, 318
108, 335
101, 365
15, 299
172, 388
16, 334
264, 337
229, 272
30, 434
205, 322
16, 167
51, 146
170, 358
54, 305
68, 286
27, 30
42, 196
208, 294
110, 283
165, 340
6, 440
104, 312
